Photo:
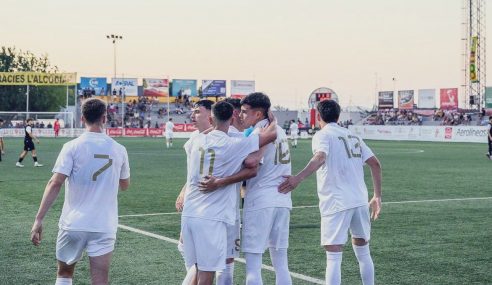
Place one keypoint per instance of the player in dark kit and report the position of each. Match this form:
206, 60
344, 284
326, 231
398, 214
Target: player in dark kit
29, 145
489, 138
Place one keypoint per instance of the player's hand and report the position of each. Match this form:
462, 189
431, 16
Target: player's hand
37, 141
375, 205
271, 117
179, 203
289, 184
3, 152
209, 184
36, 231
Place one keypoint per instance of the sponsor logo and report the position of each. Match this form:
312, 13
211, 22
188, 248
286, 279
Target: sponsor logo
448, 133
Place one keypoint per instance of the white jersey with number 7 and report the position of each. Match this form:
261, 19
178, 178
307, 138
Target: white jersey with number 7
94, 164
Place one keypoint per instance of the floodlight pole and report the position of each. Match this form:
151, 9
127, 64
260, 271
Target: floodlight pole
115, 38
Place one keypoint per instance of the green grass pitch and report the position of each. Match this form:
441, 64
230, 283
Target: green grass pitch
433, 242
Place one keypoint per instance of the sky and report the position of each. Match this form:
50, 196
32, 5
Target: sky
288, 47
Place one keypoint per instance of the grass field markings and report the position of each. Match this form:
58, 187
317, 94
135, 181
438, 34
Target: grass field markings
316, 206
241, 260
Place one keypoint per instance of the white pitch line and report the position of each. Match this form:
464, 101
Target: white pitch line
315, 206
242, 260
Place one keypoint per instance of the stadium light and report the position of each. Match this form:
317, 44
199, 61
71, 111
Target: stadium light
114, 38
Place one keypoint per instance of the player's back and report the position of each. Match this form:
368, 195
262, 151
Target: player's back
340, 180
262, 190
94, 164
215, 154
169, 127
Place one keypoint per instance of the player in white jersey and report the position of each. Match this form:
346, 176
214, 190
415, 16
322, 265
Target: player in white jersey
266, 213
93, 167
205, 214
294, 132
169, 133
339, 157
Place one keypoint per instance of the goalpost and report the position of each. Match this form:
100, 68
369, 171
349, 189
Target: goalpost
14, 122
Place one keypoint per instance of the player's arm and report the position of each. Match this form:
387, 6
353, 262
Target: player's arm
180, 199
124, 184
2, 146
314, 164
376, 173
50, 194
33, 136
212, 183
269, 134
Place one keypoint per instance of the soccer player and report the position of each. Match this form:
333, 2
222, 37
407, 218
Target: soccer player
339, 157
489, 138
2, 145
205, 215
294, 131
93, 167
266, 212
169, 133
56, 127
29, 145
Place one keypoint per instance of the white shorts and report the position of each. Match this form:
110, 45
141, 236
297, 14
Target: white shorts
294, 136
70, 245
233, 240
169, 135
205, 243
335, 227
265, 228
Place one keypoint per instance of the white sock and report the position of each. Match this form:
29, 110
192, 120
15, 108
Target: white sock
281, 265
333, 268
167, 144
253, 268
181, 249
366, 265
295, 142
190, 275
63, 281
226, 276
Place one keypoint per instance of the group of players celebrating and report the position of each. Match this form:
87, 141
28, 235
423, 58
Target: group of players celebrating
237, 148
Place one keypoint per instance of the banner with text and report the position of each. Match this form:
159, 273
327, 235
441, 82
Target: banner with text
124, 86
184, 87
449, 98
473, 58
422, 133
385, 99
155, 87
427, 98
96, 85
214, 88
241, 88
405, 99
38, 78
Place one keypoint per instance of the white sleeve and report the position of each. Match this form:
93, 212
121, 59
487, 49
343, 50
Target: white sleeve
320, 144
64, 162
29, 129
242, 147
125, 168
365, 150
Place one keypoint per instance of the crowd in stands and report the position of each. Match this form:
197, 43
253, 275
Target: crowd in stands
394, 117
452, 118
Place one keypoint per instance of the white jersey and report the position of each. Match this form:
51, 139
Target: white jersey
1, 133
340, 180
94, 164
219, 155
169, 127
262, 190
233, 132
294, 129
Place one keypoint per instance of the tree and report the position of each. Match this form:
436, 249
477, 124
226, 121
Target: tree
280, 108
41, 98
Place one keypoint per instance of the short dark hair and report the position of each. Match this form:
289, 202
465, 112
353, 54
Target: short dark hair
29, 119
205, 103
222, 111
170, 119
93, 110
329, 111
258, 100
236, 103
1, 120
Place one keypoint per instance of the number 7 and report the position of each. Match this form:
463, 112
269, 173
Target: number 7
102, 169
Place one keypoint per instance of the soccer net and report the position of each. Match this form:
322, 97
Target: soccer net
44, 123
